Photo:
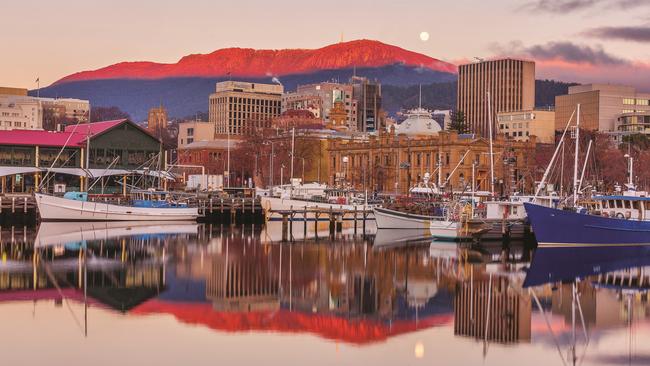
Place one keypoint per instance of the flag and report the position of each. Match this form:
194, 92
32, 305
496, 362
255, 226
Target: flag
38, 80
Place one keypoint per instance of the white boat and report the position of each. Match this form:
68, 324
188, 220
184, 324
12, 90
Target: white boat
393, 219
457, 229
310, 196
74, 206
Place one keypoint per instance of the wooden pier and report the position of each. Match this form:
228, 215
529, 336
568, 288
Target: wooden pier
334, 215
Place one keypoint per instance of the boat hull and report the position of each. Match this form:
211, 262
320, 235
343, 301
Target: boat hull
285, 204
457, 231
392, 219
553, 227
53, 208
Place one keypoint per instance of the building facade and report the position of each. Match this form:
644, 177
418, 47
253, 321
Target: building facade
121, 145
367, 95
20, 112
393, 163
521, 125
238, 107
157, 120
510, 82
191, 131
321, 98
601, 105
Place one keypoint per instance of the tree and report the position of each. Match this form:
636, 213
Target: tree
98, 114
458, 123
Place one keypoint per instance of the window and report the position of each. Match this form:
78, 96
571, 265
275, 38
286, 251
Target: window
629, 101
642, 102
190, 132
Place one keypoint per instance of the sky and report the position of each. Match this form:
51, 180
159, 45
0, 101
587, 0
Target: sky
571, 40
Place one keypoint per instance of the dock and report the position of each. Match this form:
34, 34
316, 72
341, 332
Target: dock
334, 215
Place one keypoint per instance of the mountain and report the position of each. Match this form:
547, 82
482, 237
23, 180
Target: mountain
184, 87
250, 63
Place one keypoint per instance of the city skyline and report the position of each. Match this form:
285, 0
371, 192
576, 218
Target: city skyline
589, 40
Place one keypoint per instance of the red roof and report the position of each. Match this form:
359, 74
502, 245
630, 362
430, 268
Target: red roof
40, 138
74, 135
95, 128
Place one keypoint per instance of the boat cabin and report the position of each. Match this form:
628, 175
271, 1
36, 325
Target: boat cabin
623, 207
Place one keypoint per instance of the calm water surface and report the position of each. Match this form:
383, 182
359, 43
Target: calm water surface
172, 294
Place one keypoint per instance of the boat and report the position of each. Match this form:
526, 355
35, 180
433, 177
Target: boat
387, 218
147, 206
622, 219
297, 196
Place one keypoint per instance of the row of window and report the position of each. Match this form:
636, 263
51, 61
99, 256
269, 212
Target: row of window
635, 101
623, 204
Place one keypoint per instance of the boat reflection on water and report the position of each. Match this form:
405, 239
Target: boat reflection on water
356, 289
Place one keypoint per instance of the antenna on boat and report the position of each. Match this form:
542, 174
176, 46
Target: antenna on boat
491, 147
550, 163
576, 158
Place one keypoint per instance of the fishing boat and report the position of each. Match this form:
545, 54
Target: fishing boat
146, 206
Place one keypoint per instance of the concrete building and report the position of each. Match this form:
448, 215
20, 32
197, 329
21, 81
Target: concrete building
191, 131
320, 99
238, 107
521, 125
367, 95
157, 120
60, 112
20, 112
511, 84
601, 105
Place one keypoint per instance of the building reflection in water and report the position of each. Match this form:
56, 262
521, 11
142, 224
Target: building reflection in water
348, 288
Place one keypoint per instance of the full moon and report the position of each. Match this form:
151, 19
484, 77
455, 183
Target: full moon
424, 36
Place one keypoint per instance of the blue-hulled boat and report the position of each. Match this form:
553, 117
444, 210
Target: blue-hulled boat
621, 220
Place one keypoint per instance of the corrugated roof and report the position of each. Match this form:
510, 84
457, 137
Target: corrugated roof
74, 135
94, 128
40, 138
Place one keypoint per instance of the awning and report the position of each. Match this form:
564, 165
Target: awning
11, 170
72, 171
98, 173
156, 173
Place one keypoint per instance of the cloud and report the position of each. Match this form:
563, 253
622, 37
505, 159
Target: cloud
571, 62
629, 33
560, 51
568, 6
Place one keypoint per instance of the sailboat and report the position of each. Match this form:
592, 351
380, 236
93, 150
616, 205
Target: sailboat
146, 205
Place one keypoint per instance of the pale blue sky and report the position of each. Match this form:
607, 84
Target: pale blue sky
55, 38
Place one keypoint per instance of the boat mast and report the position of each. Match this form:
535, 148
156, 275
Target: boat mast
575, 165
491, 147
584, 165
550, 164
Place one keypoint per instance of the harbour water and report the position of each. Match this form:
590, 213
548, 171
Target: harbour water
199, 294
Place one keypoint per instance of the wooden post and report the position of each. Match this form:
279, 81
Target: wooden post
339, 222
291, 223
124, 185
332, 222
285, 226
13, 204
304, 220
355, 220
